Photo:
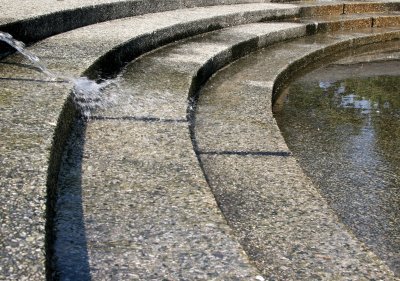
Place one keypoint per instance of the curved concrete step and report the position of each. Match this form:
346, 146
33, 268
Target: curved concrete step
149, 121
38, 121
282, 221
28, 130
27, 162
179, 227
30, 23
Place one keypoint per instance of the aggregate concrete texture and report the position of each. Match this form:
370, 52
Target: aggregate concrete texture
67, 55
32, 21
321, 247
280, 218
158, 100
28, 130
162, 220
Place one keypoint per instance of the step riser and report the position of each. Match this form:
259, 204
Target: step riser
111, 63
43, 26
34, 29
48, 25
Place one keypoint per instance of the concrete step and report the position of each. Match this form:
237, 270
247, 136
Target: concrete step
31, 106
149, 118
280, 218
30, 23
151, 201
30, 155
29, 130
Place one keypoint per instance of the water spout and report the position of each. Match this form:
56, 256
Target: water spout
86, 93
20, 47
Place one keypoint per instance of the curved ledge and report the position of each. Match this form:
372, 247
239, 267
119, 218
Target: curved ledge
260, 189
254, 42
60, 17
29, 26
117, 52
239, 41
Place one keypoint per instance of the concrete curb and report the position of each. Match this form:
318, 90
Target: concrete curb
60, 17
226, 160
120, 55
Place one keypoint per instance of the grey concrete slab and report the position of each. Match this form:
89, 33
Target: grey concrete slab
32, 9
233, 108
32, 20
239, 175
24, 150
150, 31
29, 98
235, 114
148, 211
33, 104
239, 118
284, 224
108, 233
159, 84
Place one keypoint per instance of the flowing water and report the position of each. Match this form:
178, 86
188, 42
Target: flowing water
342, 122
86, 93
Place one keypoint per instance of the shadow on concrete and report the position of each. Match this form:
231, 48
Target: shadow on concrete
68, 256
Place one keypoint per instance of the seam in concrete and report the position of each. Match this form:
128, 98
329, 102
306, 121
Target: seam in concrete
247, 153
296, 66
69, 113
207, 70
140, 119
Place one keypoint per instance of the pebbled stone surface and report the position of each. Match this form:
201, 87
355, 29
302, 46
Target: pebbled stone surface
32, 105
155, 215
284, 224
148, 211
281, 220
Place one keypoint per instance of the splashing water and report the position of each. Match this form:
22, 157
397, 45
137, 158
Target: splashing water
86, 93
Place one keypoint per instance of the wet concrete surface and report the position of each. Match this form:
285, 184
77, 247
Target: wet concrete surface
135, 170
352, 120
30, 107
137, 207
155, 213
273, 216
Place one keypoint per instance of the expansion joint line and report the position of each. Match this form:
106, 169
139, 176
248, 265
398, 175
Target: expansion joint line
140, 119
247, 153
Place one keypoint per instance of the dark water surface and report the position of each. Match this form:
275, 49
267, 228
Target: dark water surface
342, 123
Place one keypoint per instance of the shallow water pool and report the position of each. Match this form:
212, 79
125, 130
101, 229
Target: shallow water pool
342, 123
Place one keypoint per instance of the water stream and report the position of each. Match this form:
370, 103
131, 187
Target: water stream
342, 122
86, 93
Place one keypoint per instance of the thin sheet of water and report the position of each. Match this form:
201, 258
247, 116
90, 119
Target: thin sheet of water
342, 123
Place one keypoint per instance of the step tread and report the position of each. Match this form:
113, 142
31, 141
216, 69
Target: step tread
30, 129
282, 221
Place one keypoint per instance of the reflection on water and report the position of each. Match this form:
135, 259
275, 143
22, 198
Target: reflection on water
345, 132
